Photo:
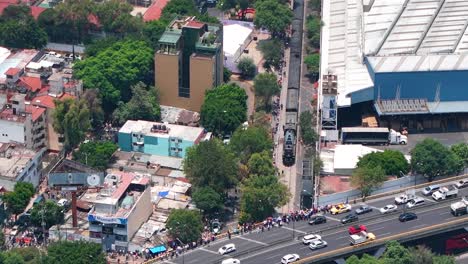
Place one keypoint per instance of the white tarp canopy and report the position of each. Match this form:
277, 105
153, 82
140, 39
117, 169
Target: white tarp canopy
235, 39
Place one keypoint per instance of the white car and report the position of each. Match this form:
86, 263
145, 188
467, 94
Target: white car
388, 209
415, 202
462, 183
309, 238
290, 258
63, 202
230, 261
227, 249
317, 244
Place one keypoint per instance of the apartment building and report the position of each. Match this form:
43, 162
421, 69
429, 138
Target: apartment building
189, 61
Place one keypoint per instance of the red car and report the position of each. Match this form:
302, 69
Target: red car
356, 229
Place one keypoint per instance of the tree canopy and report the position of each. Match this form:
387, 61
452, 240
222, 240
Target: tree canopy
245, 142
208, 200
178, 7
367, 179
306, 124
17, 200
261, 164
224, 109
313, 26
266, 86
432, 159
313, 63
72, 120
272, 15
393, 162
247, 67
52, 214
76, 252
113, 70
93, 101
210, 164
153, 31
96, 154
461, 150
144, 105
185, 225
115, 17
260, 196
272, 50
18, 29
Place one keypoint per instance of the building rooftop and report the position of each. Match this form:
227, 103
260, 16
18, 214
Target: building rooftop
171, 37
47, 101
9, 59
12, 71
347, 156
234, 36
13, 159
147, 128
33, 84
155, 10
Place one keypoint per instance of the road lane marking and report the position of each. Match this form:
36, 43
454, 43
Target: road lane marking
260, 252
206, 250
333, 218
254, 241
386, 234
418, 226
295, 230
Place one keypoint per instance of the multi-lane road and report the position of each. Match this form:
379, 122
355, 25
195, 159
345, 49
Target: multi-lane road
270, 246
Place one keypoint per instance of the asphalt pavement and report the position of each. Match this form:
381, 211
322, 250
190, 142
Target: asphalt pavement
270, 246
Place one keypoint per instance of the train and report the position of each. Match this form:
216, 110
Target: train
294, 79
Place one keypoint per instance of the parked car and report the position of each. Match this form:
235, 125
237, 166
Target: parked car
349, 218
290, 258
462, 183
319, 219
317, 244
388, 209
407, 217
430, 189
309, 238
216, 226
63, 202
363, 209
415, 202
356, 229
227, 249
230, 261
340, 208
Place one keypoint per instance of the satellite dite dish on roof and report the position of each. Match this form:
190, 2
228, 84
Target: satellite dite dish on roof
93, 180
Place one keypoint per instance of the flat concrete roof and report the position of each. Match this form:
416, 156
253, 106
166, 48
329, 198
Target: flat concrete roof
144, 127
15, 160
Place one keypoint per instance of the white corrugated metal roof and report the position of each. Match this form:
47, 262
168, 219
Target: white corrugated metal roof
408, 63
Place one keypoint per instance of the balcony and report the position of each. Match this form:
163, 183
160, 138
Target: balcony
39, 134
120, 231
95, 228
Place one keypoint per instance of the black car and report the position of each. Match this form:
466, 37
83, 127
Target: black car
363, 209
407, 217
349, 218
320, 219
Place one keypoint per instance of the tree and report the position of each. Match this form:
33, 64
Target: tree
443, 259
308, 134
313, 63
393, 162
185, 225
245, 142
260, 196
421, 255
461, 150
115, 17
315, 5
179, 7
76, 252
313, 25
432, 159
113, 70
226, 75
247, 67
49, 211
72, 120
261, 164
396, 254
153, 31
18, 29
367, 179
93, 101
143, 105
272, 15
366, 259
203, 171
224, 109
17, 200
96, 154
2, 240
207, 199
12, 258
266, 85
272, 51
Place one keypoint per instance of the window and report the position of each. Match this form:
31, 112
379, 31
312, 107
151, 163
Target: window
134, 135
184, 92
179, 149
179, 140
120, 238
121, 226
107, 230
173, 139
173, 149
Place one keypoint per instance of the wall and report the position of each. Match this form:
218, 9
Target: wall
140, 213
31, 173
125, 141
156, 146
202, 70
167, 79
422, 85
11, 131
53, 143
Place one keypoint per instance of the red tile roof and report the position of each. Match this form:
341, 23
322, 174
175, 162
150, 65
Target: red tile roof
195, 24
48, 101
35, 10
155, 10
35, 111
33, 84
12, 71
93, 19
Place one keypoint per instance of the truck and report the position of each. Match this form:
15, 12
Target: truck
361, 237
404, 198
460, 208
445, 192
372, 136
